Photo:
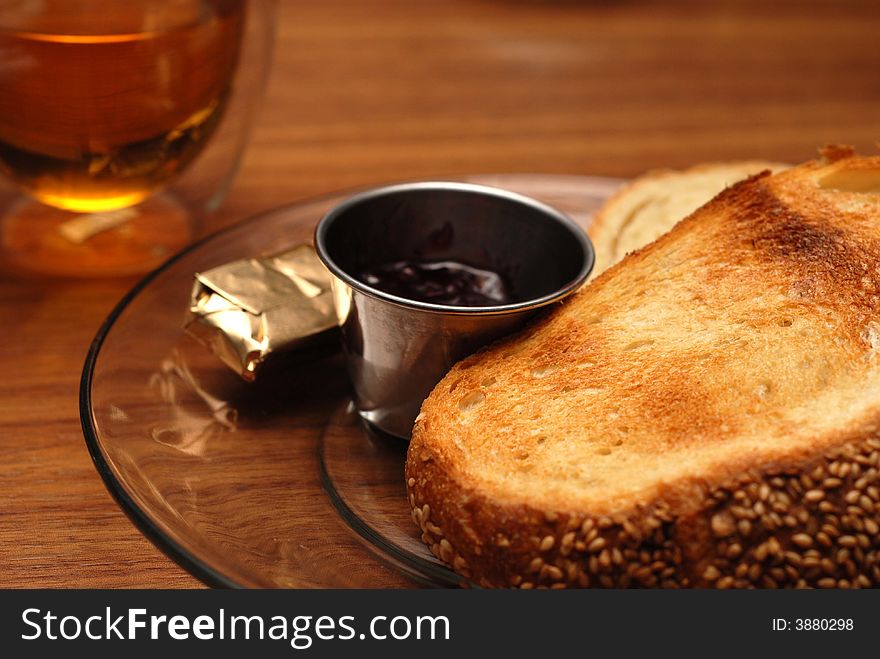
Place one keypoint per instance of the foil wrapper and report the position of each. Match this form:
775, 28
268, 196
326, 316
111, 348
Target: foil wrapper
247, 310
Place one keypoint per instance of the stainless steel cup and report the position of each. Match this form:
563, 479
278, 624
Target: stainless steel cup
398, 349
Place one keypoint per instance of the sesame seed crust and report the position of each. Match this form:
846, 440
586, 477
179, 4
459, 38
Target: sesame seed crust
763, 530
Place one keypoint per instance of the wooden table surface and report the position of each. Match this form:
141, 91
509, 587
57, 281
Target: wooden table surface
369, 92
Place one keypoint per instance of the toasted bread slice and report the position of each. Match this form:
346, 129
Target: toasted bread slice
651, 205
705, 413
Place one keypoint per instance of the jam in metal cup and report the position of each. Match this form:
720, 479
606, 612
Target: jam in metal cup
397, 349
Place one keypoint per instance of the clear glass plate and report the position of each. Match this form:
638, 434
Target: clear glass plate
270, 484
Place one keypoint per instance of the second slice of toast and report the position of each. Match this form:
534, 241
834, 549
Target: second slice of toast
652, 204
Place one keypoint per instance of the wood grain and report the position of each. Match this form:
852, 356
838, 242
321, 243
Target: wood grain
363, 93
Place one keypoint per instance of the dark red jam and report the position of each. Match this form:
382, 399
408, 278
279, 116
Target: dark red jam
442, 282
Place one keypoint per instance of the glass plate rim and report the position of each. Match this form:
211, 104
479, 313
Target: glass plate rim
115, 487
141, 520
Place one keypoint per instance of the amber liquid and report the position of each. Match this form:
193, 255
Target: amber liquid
96, 122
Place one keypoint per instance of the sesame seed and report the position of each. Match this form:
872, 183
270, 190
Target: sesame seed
760, 552
722, 525
446, 551
433, 528
802, 540
547, 543
643, 574
778, 573
793, 557
554, 572
823, 539
711, 573
724, 582
596, 545
830, 530
847, 541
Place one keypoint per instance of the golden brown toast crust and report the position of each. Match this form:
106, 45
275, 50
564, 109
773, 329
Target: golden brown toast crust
759, 510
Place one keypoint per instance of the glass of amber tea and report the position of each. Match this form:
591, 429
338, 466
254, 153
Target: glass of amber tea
121, 125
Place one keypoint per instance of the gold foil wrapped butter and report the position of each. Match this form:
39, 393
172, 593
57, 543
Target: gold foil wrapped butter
246, 310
